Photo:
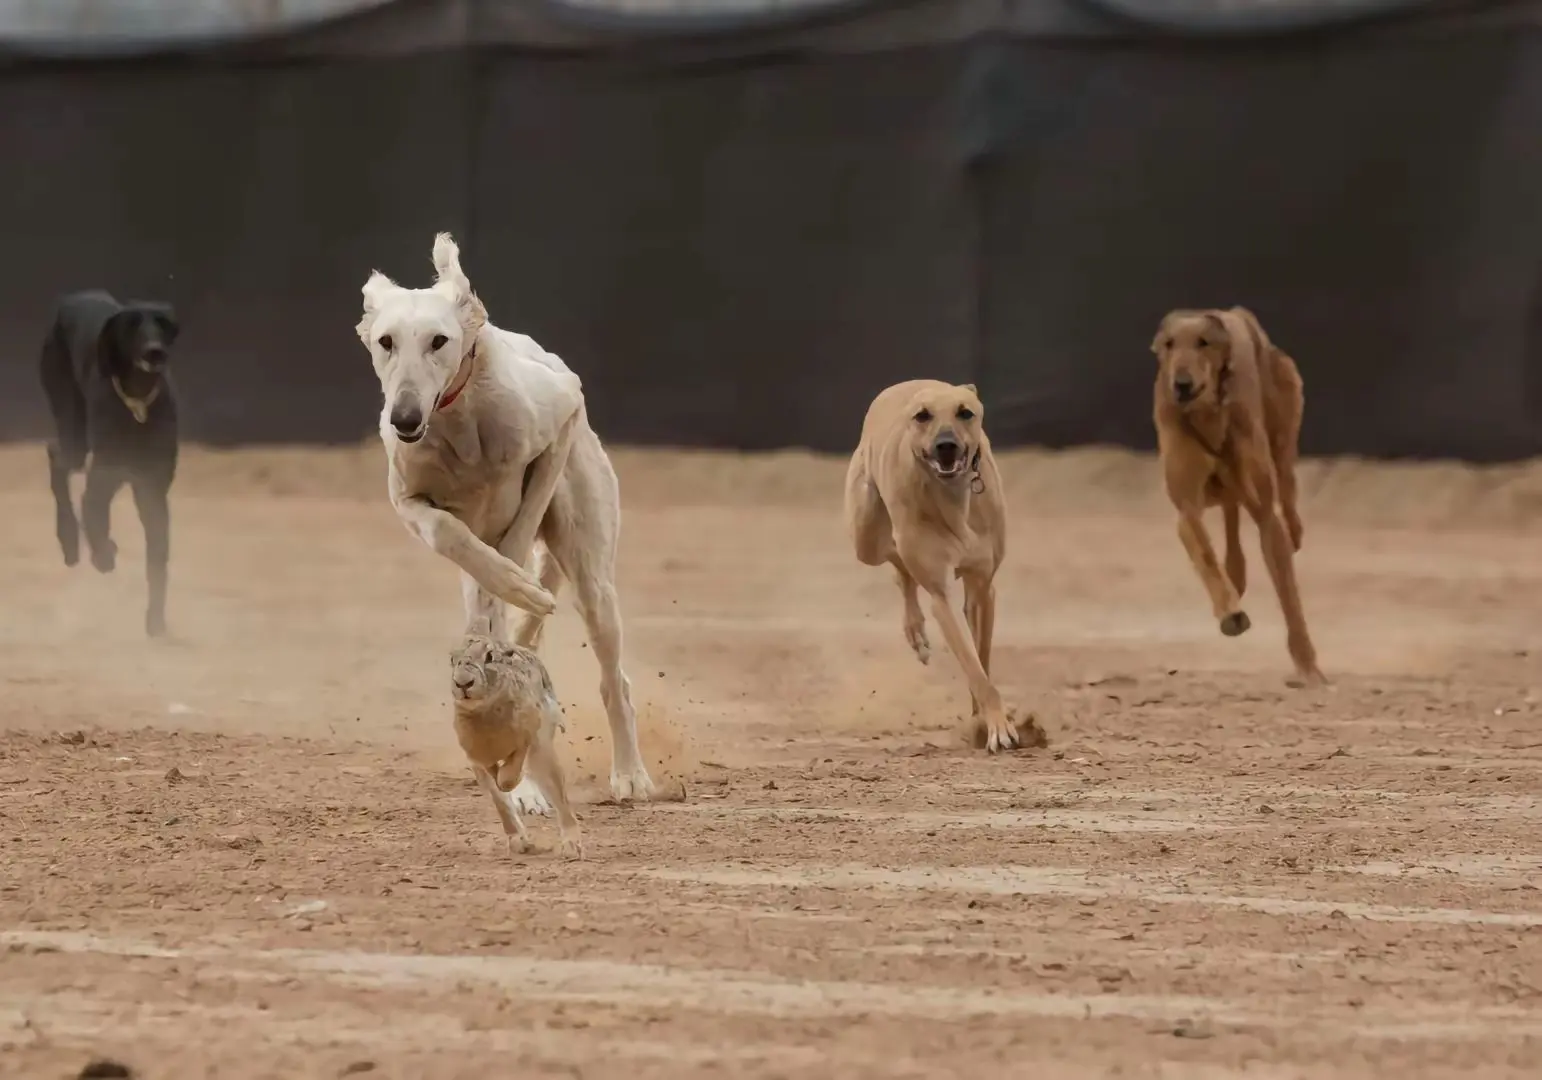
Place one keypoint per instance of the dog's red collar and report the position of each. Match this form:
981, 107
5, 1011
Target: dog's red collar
470, 365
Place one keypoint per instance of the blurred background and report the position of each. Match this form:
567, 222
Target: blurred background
738, 219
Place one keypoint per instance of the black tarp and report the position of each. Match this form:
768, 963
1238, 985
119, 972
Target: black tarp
738, 235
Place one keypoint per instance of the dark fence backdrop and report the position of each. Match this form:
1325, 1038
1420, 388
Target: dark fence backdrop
738, 237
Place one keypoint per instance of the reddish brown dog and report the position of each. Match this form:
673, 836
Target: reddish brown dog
1228, 417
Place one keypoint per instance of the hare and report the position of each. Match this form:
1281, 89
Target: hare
506, 718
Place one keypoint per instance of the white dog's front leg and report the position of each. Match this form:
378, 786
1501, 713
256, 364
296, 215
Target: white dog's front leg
518, 541
528, 796
448, 536
545, 473
484, 611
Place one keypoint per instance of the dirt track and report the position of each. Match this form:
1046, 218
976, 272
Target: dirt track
1205, 875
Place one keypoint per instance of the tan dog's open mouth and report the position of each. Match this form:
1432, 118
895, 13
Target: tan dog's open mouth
956, 463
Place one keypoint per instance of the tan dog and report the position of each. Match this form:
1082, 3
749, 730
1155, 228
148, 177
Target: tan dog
923, 494
1228, 416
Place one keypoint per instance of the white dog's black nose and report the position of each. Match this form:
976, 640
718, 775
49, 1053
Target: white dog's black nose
407, 421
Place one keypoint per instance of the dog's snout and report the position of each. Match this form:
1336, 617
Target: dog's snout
946, 448
155, 356
407, 420
1183, 385
464, 682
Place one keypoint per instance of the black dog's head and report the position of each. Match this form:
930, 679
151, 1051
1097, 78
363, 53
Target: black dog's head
137, 341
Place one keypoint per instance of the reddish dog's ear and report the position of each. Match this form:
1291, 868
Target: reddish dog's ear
1159, 342
1216, 332
1255, 329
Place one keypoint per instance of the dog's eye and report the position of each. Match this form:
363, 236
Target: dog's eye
439, 342
1168, 344
386, 343
965, 413
1201, 343
924, 416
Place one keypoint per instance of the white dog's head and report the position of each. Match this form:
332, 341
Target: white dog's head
419, 337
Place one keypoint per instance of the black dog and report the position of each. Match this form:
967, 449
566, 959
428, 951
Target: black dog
105, 372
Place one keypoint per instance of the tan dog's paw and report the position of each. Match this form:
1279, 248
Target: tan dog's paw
571, 847
1236, 623
915, 635
1024, 733
1008, 731
520, 845
1304, 680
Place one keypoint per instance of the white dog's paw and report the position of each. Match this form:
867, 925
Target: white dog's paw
631, 784
528, 798
514, 586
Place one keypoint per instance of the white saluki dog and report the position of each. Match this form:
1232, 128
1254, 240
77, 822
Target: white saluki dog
490, 449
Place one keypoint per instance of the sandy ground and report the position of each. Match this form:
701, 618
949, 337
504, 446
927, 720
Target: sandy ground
253, 852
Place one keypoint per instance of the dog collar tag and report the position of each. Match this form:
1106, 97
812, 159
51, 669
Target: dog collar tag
138, 407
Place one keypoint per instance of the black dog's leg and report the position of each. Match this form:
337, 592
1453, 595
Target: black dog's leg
95, 516
155, 516
67, 451
66, 526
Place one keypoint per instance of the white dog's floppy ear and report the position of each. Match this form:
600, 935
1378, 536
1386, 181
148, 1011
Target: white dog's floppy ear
375, 290
453, 282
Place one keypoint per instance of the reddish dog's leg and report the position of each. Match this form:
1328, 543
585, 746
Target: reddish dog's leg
1236, 562
1186, 479
1279, 557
